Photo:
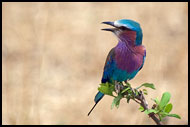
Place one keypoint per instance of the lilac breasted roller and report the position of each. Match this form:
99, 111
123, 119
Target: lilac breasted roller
127, 58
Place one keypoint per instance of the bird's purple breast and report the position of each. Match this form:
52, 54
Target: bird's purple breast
129, 59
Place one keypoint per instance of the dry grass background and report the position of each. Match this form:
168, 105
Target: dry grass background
53, 56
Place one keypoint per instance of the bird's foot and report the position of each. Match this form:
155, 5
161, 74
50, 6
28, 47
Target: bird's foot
118, 87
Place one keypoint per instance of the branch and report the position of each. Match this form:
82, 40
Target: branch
161, 108
140, 97
144, 104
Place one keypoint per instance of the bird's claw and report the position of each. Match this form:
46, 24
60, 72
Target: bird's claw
118, 87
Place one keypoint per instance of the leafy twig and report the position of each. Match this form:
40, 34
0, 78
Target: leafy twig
144, 104
160, 109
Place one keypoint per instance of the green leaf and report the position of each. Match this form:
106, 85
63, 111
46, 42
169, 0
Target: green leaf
149, 85
164, 100
128, 99
136, 93
156, 101
128, 84
145, 91
126, 89
160, 117
113, 104
150, 111
174, 115
163, 114
141, 108
116, 101
168, 108
106, 88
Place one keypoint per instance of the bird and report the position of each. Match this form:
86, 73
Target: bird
127, 58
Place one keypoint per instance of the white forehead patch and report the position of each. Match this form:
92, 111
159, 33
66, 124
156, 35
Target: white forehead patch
117, 24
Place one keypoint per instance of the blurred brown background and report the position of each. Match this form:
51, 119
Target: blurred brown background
53, 56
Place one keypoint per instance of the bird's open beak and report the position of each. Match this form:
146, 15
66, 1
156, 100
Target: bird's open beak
109, 29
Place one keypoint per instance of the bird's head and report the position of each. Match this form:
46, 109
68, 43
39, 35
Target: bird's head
125, 30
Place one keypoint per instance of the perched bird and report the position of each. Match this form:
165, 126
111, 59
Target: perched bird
127, 58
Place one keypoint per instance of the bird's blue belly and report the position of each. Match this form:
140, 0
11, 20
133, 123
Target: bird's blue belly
114, 73
122, 75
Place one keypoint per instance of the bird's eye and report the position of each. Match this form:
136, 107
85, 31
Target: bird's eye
123, 28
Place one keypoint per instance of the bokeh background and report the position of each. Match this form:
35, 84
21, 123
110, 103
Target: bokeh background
53, 56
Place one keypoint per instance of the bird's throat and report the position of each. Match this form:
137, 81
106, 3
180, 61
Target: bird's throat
128, 37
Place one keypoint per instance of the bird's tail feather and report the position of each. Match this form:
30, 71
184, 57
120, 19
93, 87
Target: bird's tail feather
92, 108
97, 98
